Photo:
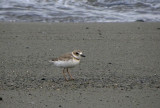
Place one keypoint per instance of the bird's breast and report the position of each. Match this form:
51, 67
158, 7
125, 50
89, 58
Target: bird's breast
67, 64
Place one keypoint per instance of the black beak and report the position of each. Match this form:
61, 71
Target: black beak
83, 55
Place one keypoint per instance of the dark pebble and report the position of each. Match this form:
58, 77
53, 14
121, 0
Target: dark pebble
87, 27
109, 63
127, 96
43, 79
60, 106
1, 98
158, 28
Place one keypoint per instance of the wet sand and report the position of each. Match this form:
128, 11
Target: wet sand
121, 68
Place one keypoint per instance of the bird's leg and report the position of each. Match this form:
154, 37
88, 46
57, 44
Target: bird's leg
64, 74
70, 74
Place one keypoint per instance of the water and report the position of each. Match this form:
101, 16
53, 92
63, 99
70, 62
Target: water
79, 10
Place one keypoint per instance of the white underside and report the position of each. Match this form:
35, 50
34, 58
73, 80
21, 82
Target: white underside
66, 64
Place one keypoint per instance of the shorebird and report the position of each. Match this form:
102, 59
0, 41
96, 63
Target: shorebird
68, 60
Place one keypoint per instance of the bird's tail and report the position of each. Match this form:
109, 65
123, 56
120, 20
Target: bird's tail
51, 61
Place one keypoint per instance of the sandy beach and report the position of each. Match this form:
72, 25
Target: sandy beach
121, 68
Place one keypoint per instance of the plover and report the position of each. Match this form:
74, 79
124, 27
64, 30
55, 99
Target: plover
68, 60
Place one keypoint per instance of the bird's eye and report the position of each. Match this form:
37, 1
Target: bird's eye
77, 53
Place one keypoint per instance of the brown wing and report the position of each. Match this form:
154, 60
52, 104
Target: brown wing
64, 57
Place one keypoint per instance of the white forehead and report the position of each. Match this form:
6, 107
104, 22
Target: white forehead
80, 53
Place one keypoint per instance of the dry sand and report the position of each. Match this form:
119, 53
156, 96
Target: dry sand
121, 68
